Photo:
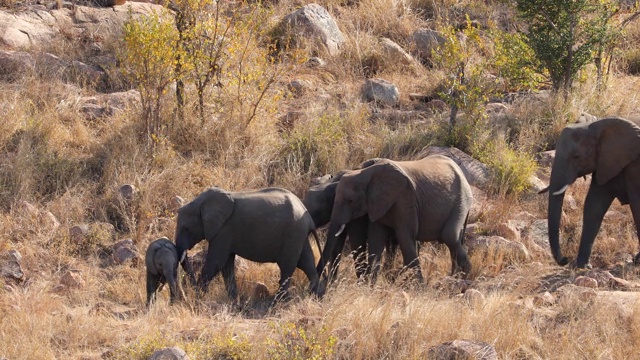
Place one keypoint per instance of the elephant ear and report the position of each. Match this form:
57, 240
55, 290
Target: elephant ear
384, 188
215, 209
618, 145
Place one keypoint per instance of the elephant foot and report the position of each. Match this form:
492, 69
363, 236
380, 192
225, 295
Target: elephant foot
562, 261
636, 259
580, 265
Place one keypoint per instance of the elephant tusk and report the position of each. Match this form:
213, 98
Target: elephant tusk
184, 255
341, 229
562, 190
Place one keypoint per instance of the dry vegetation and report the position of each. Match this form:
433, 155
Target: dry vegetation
55, 159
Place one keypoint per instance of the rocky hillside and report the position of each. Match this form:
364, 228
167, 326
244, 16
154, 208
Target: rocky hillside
89, 177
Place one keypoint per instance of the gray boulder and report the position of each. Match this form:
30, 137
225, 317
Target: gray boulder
381, 91
424, 41
463, 350
10, 265
314, 21
173, 353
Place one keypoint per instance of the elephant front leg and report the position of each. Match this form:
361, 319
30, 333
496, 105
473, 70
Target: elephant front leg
596, 204
407, 244
377, 237
209, 271
228, 273
634, 203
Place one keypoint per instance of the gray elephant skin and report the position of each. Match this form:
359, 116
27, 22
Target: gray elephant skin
268, 225
610, 150
422, 200
319, 200
161, 261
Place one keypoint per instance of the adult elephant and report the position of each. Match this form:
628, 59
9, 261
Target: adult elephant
319, 200
610, 149
422, 200
268, 225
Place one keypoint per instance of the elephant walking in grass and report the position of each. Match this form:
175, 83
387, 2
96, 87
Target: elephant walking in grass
161, 261
319, 200
268, 225
610, 150
423, 200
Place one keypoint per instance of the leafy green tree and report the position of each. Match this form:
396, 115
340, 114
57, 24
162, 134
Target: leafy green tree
148, 60
565, 35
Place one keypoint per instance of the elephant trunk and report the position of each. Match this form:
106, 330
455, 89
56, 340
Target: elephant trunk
182, 245
559, 183
332, 237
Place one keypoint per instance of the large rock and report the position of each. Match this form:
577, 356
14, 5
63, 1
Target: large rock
125, 251
38, 27
21, 30
174, 353
396, 53
314, 21
381, 91
477, 173
47, 65
10, 265
463, 350
497, 247
424, 41
105, 105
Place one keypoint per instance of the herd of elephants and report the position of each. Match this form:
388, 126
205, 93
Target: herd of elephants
386, 204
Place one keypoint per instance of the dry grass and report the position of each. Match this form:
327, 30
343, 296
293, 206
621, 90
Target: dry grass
58, 169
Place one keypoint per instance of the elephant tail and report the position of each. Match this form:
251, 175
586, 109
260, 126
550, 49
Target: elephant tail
315, 235
464, 229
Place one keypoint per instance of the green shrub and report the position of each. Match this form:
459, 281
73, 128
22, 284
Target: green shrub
511, 169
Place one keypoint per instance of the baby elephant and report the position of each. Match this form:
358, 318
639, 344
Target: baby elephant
162, 267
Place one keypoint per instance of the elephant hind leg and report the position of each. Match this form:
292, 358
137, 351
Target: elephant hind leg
306, 263
152, 287
286, 271
453, 236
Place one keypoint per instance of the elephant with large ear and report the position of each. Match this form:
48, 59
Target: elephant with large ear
422, 200
610, 149
319, 200
268, 225
161, 260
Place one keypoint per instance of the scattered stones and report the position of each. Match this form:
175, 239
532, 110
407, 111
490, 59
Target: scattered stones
315, 62
299, 87
511, 229
314, 21
260, 291
287, 122
537, 233
10, 267
78, 233
586, 118
619, 284
125, 251
105, 105
474, 298
72, 279
463, 349
424, 41
586, 282
493, 247
173, 353
128, 191
493, 109
545, 158
601, 276
535, 184
381, 91
582, 293
396, 53
176, 203
544, 299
